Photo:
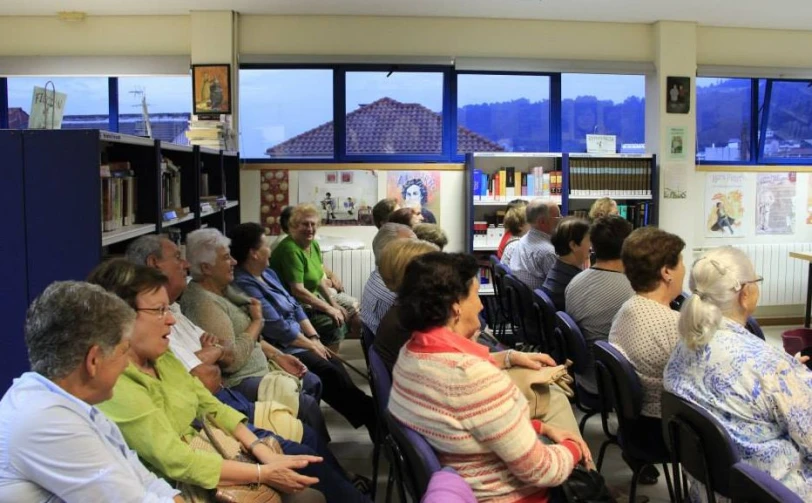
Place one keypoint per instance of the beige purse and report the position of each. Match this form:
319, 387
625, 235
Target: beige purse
280, 386
535, 385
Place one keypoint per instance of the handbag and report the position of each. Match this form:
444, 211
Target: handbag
213, 439
585, 486
535, 385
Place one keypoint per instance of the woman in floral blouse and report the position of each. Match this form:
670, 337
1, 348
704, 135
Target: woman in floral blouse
760, 394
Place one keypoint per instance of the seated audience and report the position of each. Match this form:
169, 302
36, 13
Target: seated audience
202, 353
516, 226
156, 401
284, 220
287, 327
451, 390
382, 210
645, 328
759, 393
431, 233
534, 255
409, 215
507, 235
56, 445
297, 260
594, 296
377, 298
603, 207
572, 244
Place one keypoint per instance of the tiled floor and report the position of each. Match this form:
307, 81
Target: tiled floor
354, 449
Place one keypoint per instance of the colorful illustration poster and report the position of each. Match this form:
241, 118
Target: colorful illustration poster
344, 197
724, 205
775, 203
418, 189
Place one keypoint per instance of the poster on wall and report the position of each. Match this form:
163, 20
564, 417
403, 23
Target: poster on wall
676, 144
724, 205
675, 180
775, 203
416, 189
343, 197
273, 190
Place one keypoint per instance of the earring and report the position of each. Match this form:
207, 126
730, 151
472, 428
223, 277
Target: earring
668, 281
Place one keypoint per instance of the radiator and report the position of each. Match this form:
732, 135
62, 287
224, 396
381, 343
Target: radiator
785, 278
352, 266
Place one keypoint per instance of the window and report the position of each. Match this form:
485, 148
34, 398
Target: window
723, 109
789, 132
603, 104
286, 113
508, 113
394, 113
86, 105
168, 101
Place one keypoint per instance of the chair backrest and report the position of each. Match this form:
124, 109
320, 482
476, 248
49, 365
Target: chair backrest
573, 340
545, 308
521, 301
677, 303
421, 460
500, 270
367, 337
381, 380
751, 485
698, 441
618, 380
754, 328
447, 486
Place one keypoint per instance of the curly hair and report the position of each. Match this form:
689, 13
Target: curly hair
645, 252
424, 192
603, 207
244, 238
302, 211
431, 233
431, 285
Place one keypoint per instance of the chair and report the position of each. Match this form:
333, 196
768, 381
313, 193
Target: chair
500, 318
521, 304
367, 338
381, 384
419, 459
751, 485
700, 444
545, 310
639, 437
447, 486
754, 328
572, 341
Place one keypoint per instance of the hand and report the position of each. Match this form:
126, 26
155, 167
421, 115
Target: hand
558, 435
531, 360
337, 283
802, 359
343, 312
318, 348
291, 364
255, 310
279, 473
336, 314
207, 340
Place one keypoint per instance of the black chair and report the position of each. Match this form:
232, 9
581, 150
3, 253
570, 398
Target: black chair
522, 314
419, 459
500, 317
751, 485
544, 308
754, 328
639, 437
700, 444
367, 337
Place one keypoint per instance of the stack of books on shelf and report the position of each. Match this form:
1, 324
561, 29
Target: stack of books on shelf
209, 204
215, 134
170, 191
485, 277
610, 177
507, 184
487, 236
638, 214
117, 196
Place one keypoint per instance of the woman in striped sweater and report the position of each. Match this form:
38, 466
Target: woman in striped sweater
449, 389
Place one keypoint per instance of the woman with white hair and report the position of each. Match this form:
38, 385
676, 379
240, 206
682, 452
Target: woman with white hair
760, 394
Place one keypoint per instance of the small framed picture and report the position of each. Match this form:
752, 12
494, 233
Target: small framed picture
678, 95
331, 177
211, 89
346, 177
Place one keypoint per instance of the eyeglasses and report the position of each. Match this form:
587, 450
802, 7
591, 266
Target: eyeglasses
758, 279
159, 311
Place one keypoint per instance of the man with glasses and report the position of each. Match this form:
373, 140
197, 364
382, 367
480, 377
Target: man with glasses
534, 255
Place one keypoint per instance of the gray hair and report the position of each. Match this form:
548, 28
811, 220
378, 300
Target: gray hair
145, 247
537, 208
386, 234
201, 248
69, 318
716, 280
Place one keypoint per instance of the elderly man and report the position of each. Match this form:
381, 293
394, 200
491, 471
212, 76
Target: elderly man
376, 298
201, 353
534, 256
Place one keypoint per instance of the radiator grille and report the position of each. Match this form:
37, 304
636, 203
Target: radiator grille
353, 267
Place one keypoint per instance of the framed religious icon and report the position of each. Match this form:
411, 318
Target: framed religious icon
211, 89
678, 95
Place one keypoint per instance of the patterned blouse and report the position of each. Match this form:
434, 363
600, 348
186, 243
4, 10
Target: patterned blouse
761, 395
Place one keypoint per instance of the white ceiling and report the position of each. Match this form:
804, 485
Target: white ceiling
787, 14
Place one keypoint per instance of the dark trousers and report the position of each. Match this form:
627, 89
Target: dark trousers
339, 391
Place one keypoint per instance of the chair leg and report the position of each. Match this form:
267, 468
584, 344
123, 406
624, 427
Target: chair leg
633, 490
672, 497
376, 462
584, 419
605, 445
390, 482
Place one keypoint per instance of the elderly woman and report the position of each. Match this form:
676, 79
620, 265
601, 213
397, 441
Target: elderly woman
156, 401
432, 233
603, 207
760, 394
297, 260
57, 446
408, 215
450, 389
571, 242
288, 328
220, 310
516, 226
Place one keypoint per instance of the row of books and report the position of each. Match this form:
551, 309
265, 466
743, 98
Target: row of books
610, 177
639, 214
485, 276
507, 184
170, 185
117, 195
487, 235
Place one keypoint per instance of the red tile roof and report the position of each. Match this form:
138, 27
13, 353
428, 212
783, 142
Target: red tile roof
17, 118
385, 126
